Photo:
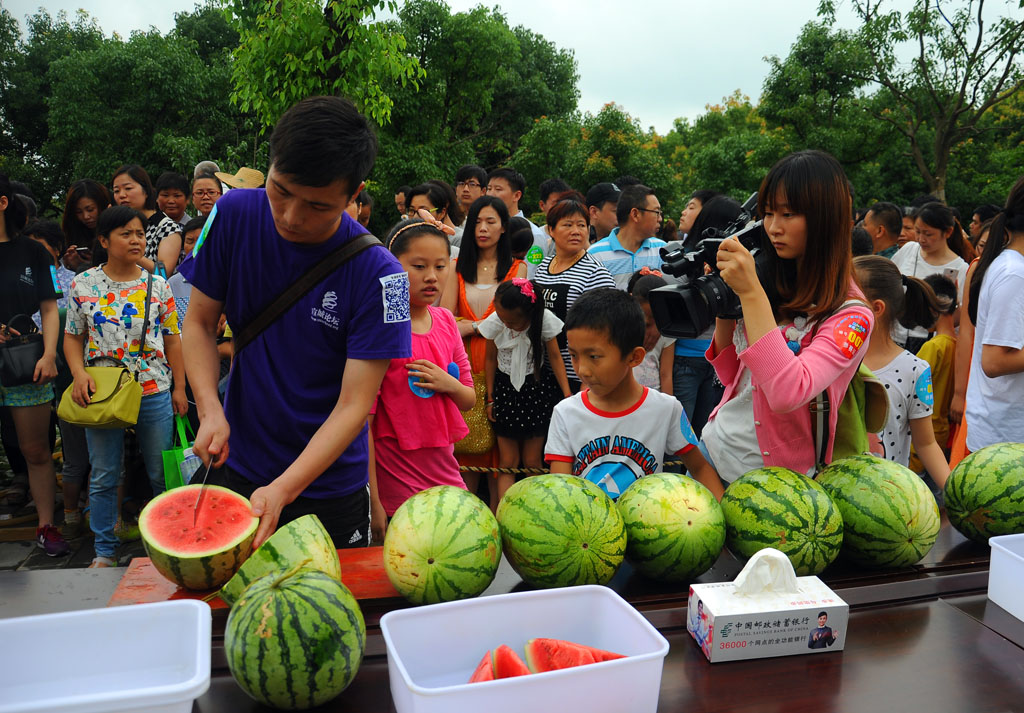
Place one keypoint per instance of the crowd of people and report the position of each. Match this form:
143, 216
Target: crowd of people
327, 373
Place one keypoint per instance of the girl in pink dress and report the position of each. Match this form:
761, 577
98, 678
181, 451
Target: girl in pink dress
417, 417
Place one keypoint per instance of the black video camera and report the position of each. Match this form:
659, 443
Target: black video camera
685, 310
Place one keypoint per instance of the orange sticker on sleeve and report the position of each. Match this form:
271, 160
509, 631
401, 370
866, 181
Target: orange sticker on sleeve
850, 333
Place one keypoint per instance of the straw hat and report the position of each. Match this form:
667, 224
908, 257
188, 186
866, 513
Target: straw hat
244, 178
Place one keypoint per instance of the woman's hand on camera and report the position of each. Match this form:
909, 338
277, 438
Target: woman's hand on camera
736, 266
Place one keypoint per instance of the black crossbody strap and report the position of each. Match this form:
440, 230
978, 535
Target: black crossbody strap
298, 289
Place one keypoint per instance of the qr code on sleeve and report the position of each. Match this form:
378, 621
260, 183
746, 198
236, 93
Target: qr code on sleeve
395, 294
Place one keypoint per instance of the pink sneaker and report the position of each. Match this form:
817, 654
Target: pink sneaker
49, 538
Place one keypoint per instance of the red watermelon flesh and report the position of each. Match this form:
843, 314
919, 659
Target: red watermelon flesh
553, 654
484, 670
507, 663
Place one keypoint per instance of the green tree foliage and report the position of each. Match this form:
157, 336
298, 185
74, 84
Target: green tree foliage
962, 67
291, 49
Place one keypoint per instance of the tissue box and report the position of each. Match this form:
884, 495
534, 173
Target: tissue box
729, 626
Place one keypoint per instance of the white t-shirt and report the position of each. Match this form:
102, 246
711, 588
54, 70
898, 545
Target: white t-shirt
908, 384
614, 449
648, 372
994, 413
515, 353
911, 263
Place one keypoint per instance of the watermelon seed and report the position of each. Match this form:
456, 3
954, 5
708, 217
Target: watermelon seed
430, 561
585, 545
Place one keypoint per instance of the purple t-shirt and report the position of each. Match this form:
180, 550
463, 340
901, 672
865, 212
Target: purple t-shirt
286, 382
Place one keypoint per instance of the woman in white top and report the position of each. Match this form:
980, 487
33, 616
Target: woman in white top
940, 249
995, 388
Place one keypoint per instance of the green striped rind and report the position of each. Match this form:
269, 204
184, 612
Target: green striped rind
985, 492
442, 544
775, 507
195, 570
294, 642
301, 539
560, 531
890, 518
675, 528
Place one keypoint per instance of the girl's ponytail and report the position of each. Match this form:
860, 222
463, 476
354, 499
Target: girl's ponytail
908, 300
1009, 220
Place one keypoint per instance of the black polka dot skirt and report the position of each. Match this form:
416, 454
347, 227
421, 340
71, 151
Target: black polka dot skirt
525, 413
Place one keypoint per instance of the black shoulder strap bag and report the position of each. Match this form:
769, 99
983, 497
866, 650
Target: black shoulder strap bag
298, 289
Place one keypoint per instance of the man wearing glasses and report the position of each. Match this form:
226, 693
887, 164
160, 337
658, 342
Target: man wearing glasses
632, 245
470, 184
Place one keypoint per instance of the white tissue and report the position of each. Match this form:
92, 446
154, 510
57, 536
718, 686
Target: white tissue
767, 571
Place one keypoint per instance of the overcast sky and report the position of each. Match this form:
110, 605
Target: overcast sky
660, 59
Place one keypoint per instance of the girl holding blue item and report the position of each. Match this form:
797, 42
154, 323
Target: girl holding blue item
416, 419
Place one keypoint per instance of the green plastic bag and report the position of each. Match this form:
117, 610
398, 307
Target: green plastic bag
179, 462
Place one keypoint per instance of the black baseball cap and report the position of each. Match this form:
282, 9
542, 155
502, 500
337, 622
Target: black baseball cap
601, 193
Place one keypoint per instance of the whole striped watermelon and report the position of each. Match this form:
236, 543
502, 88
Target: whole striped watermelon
675, 528
776, 507
295, 639
442, 544
985, 492
560, 531
198, 550
890, 518
302, 539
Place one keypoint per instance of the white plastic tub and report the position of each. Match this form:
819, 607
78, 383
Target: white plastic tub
433, 650
146, 657
1006, 573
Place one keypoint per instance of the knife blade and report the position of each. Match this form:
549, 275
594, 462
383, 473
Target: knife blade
202, 489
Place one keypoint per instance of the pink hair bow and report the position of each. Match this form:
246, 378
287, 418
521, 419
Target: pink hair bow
526, 287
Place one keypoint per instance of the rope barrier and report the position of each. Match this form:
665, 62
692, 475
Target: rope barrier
527, 471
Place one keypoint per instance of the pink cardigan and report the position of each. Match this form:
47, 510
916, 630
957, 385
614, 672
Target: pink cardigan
785, 383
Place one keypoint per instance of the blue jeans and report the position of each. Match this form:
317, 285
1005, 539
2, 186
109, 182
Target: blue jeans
106, 455
694, 384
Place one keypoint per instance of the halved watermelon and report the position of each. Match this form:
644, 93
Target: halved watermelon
203, 555
553, 654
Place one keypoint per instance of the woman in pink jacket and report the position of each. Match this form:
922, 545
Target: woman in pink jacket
809, 337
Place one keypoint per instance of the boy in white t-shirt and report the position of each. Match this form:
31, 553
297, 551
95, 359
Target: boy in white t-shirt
615, 430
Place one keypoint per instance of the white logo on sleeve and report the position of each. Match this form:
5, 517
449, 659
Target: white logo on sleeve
330, 300
395, 295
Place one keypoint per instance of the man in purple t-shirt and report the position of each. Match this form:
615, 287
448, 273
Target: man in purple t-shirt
292, 434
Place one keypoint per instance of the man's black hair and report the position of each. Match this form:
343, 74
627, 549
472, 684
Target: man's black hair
986, 211
634, 196
822, 614
404, 190
861, 242
196, 223
624, 181
515, 179
321, 140
471, 170
610, 311
553, 185
49, 231
171, 181
364, 198
890, 216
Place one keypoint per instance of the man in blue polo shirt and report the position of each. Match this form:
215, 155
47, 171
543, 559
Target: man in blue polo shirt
292, 435
632, 245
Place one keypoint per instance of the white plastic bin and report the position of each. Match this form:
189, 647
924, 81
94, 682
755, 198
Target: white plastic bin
152, 658
1006, 573
433, 650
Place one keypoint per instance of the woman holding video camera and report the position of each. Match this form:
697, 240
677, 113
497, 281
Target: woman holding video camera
808, 337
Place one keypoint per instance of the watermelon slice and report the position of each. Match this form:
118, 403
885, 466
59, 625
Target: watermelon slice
554, 654
484, 670
507, 663
203, 555
502, 662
